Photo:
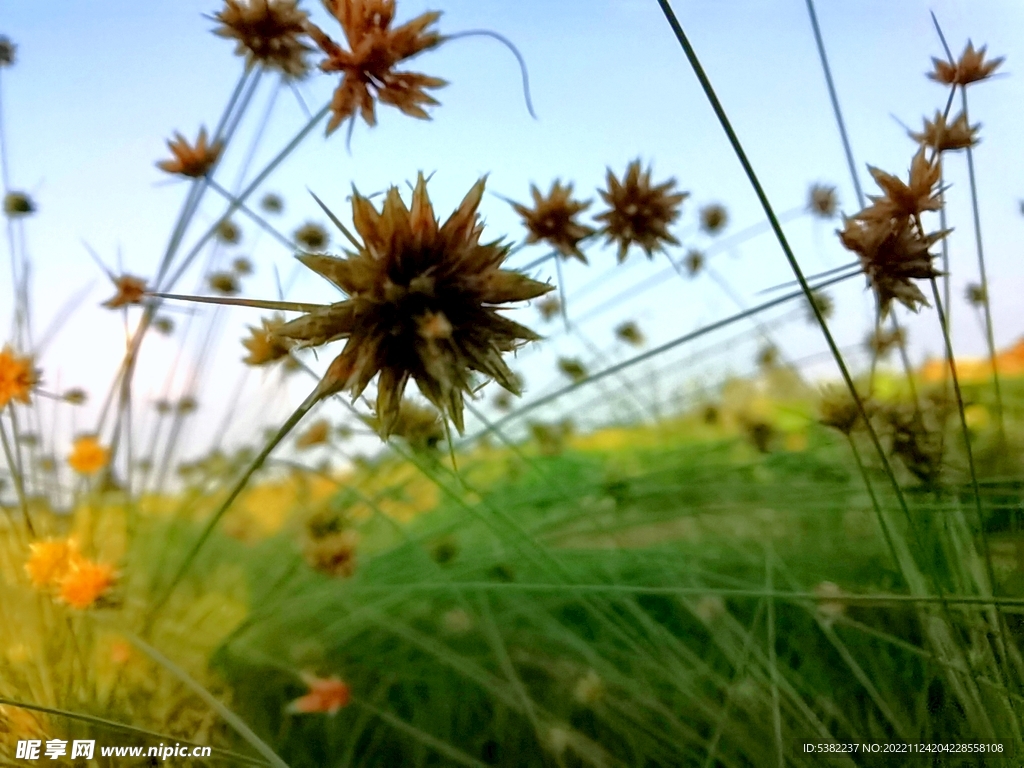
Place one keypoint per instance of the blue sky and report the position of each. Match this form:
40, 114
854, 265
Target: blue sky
99, 87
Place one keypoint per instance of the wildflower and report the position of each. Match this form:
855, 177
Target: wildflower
272, 203
130, 290
947, 137
375, 50
971, 67
333, 553
191, 161
228, 232
694, 262
630, 333
225, 283
549, 307
241, 266
18, 204
892, 253
49, 561
18, 377
975, 294
87, 455
713, 218
7, 51
313, 236
85, 582
325, 695
824, 304
76, 396
316, 434
552, 218
573, 368
639, 213
268, 32
910, 199
264, 345
423, 305
822, 201
838, 409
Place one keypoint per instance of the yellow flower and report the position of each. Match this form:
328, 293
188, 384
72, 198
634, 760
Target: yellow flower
50, 560
17, 377
85, 582
87, 456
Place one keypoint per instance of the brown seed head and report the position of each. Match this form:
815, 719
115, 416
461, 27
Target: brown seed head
630, 333
264, 345
313, 236
165, 325
420, 426
191, 161
975, 294
130, 290
694, 262
573, 368
228, 232
225, 283
272, 203
713, 218
639, 212
552, 219
269, 32
822, 201
423, 304
838, 409
368, 66
969, 68
187, 405
947, 137
18, 204
8, 51
549, 307
910, 199
241, 266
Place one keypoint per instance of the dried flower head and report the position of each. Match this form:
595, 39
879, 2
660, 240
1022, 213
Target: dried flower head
824, 304
313, 236
317, 433
553, 219
694, 262
49, 560
269, 32
163, 407
423, 304
917, 437
241, 266
630, 333
8, 51
186, 405
191, 161
272, 203
18, 377
822, 201
838, 409
76, 396
129, 290
368, 67
85, 582
639, 212
225, 283
503, 401
420, 426
18, 204
892, 253
969, 68
975, 294
713, 218
88, 457
164, 325
883, 341
228, 232
325, 695
946, 137
573, 368
549, 307
264, 345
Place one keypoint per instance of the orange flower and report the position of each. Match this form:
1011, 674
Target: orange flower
87, 455
85, 582
944, 136
50, 560
368, 66
325, 695
264, 345
191, 161
910, 199
130, 290
552, 218
17, 377
970, 68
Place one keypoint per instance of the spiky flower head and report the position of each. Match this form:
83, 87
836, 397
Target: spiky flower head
225, 283
549, 307
193, 161
269, 32
18, 377
910, 199
85, 582
971, 67
272, 203
822, 201
838, 409
639, 212
975, 294
368, 66
943, 136
573, 368
264, 344
420, 426
228, 232
88, 457
630, 333
312, 236
553, 219
18, 204
423, 304
713, 218
241, 266
129, 290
